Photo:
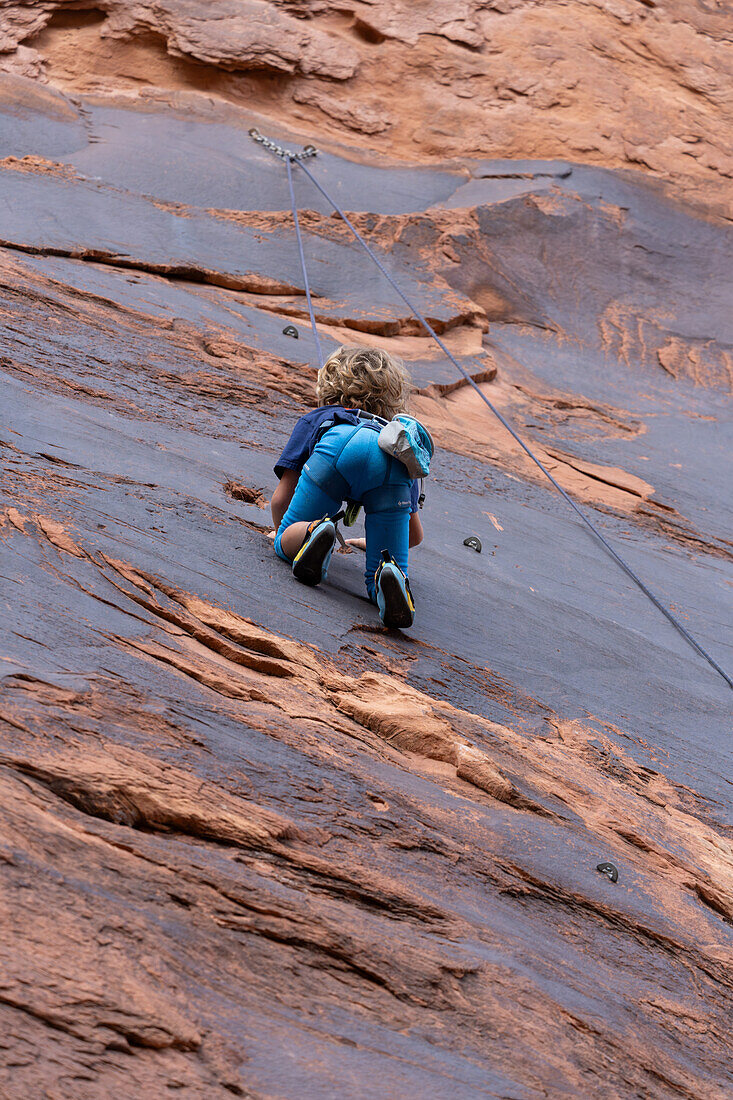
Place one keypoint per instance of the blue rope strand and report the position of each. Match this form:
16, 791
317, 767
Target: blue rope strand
586, 520
296, 222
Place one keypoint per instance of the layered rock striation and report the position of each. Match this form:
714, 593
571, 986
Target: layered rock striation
252, 843
627, 84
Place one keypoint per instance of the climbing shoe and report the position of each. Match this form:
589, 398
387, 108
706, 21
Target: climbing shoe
310, 564
394, 598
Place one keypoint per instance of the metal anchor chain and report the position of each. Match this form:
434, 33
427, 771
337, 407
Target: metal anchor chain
286, 154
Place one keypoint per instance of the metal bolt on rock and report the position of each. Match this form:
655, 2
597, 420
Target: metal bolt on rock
610, 870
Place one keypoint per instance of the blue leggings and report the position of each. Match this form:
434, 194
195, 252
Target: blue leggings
348, 464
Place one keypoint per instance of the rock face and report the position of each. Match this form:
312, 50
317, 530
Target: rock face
639, 84
252, 844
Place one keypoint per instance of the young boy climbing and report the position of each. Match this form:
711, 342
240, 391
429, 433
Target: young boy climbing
333, 455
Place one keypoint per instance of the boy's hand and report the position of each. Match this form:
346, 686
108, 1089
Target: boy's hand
358, 544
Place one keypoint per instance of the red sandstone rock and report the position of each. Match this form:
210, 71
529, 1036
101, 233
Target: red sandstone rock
251, 843
618, 83
233, 35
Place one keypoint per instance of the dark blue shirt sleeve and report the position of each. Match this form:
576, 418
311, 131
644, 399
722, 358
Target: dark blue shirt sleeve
298, 448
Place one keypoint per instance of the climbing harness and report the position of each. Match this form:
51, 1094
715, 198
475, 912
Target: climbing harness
309, 151
402, 437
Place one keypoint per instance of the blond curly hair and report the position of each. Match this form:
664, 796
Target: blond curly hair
364, 378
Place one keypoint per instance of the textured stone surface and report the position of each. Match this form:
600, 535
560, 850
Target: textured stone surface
232, 34
251, 843
628, 84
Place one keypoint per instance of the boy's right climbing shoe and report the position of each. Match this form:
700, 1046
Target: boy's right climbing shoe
310, 564
394, 598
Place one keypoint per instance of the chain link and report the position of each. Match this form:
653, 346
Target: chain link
286, 154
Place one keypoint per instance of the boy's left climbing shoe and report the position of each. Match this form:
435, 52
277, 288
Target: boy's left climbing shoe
394, 598
310, 564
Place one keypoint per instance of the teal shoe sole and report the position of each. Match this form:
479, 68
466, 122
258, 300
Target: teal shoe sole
312, 560
395, 606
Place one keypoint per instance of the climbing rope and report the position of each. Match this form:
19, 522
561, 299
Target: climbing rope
300, 158
291, 158
306, 284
